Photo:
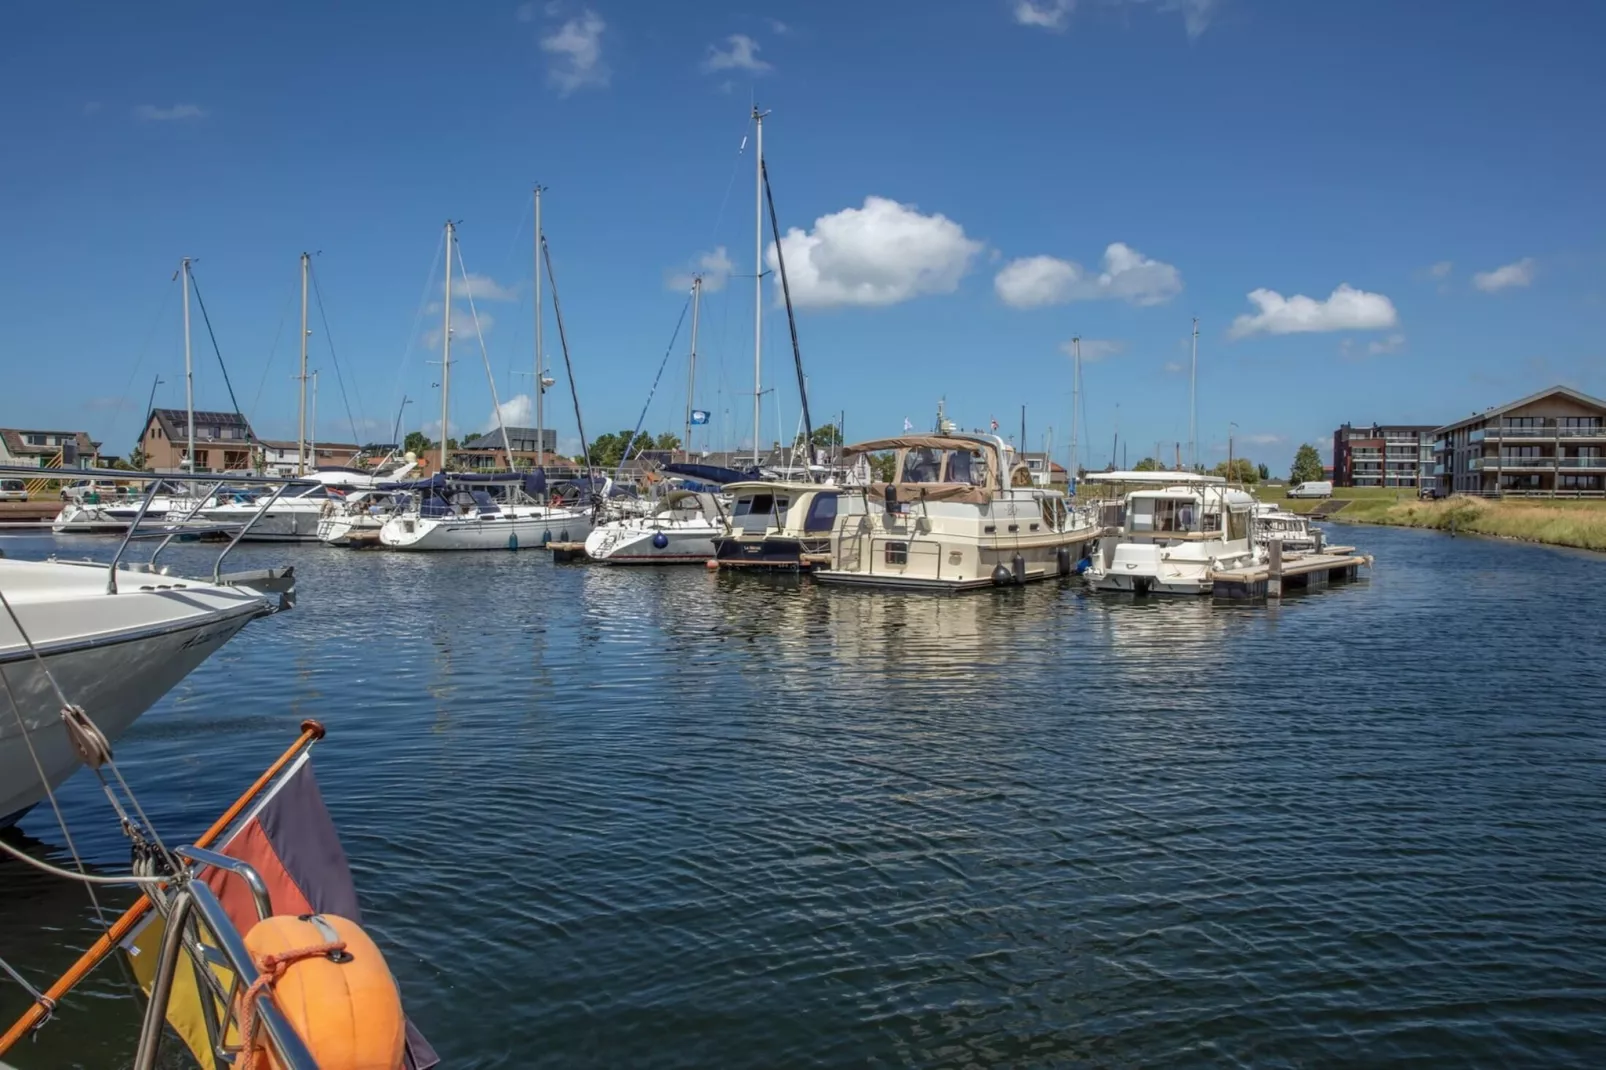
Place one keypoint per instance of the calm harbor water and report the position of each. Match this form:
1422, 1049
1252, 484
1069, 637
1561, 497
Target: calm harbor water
603, 817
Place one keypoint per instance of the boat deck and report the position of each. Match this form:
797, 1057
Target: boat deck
1288, 572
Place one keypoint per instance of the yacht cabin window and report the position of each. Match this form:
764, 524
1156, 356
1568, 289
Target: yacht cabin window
1237, 524
1162, 514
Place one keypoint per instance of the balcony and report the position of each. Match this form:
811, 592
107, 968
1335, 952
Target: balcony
1551, 431
1438, 469
1596, 463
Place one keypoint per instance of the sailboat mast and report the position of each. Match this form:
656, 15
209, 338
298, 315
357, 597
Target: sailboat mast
189, 370
1072, 472
312, 443
691, 373
540, 352
446, 344
301, 430
758, 276
1193, 400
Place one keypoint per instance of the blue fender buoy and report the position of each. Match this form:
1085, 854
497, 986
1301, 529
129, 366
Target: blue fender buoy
513, 541
1062, 560
660, 540
546, 537
1001, 574
563, 536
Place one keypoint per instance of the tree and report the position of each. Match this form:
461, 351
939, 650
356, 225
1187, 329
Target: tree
136, 458
884, 466
1265, 473
416, 442
1243, 470
1307, 465
667, 441
1148, 464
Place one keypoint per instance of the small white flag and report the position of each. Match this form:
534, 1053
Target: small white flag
907, 426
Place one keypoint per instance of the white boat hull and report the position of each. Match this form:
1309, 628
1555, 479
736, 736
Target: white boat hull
114, 655
637, 542
278, 524
498, 531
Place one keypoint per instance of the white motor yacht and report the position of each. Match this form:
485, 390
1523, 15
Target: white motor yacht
295, 515
115, 639
779, 525
1172, 533
682, 531
958, 514
1295, 532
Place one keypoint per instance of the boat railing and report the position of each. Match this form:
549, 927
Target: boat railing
202, 488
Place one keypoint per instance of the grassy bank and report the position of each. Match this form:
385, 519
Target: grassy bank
1557, 522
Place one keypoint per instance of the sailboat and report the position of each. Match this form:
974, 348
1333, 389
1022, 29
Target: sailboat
776, 524
449, 512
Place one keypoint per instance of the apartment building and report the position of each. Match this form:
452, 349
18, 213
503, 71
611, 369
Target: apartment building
1551, 444
1383, 455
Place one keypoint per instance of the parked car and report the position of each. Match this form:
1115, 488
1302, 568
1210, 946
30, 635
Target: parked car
1320, 489
13, 490
77, 492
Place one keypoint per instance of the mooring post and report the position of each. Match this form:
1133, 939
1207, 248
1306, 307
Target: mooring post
1274, 568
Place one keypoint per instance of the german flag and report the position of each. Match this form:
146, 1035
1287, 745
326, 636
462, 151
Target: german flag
289, 838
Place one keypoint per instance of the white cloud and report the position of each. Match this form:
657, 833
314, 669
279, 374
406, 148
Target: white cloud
880, 254
1264, 439
1441, 270
714, 267
462, 327
1128, 275
517, 411
1519, 274
1095, 348
779, 28
1346, 309
1173, 367
740, 54
576, 51
1055, 15
1048, 14
483, 288
152, 113
1386, 345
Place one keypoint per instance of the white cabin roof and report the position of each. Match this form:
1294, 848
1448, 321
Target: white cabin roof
1160, 478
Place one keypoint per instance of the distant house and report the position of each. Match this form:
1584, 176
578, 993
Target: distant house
1045, 472
223, 441
488, 452
281, 457
47, 449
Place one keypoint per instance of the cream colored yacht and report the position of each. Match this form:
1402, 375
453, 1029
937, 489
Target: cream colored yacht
959, 513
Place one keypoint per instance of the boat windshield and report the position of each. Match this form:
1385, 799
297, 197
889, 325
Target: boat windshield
1163, 514
928, 464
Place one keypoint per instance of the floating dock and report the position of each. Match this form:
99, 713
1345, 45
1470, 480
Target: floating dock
1288, 572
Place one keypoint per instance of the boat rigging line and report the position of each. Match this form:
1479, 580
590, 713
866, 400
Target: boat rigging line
568, 364
636, 434
250, 436
144, 350
496, 402
791, 322
329, 339
418, 322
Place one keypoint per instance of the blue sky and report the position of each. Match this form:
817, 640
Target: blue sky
1378, 211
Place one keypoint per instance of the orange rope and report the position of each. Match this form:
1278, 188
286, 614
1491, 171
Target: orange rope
311, 731
272, 967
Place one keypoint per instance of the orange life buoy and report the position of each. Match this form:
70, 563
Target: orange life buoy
331, 983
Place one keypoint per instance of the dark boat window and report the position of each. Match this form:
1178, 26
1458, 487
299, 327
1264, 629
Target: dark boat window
897, 553
758, 503
822, 513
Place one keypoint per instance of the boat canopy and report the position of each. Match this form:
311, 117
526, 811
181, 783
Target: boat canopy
1169, 479
963, 468
710, 473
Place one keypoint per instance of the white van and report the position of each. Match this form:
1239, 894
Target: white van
13, 490
1321, 489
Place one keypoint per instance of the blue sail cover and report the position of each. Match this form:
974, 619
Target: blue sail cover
712, 473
